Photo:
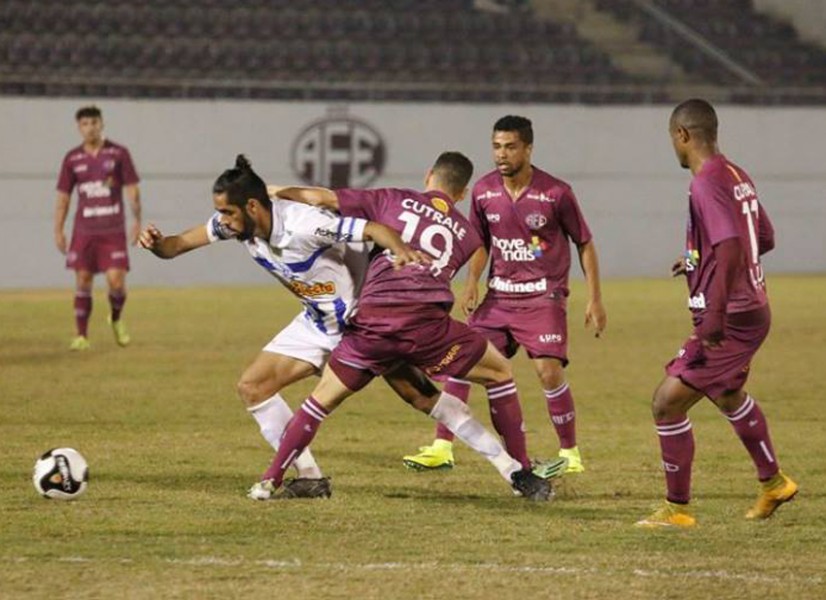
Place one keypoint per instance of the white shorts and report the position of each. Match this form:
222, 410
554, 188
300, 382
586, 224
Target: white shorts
302, 340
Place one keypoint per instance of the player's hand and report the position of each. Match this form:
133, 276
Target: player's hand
135, 233
678, 268
470, 298
60, 241
405, 255
711, 330
150, 237
595, 316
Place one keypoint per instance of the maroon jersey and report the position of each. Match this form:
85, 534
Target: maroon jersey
427, 221
528, 238
99, 180
723, 205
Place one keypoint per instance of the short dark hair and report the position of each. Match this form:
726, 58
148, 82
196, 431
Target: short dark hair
698, 115
242, 183
520, 125
454, 170
88, 112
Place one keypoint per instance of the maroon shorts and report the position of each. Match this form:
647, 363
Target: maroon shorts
724, 369
542, 328
424, 335
98, 252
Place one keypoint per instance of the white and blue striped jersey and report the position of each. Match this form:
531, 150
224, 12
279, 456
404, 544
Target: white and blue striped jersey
321, 257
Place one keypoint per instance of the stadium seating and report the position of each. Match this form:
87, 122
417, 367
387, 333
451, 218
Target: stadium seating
768, 48
366, 49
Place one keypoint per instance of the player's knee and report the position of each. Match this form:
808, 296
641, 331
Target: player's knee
661, 405
552, 377
252, 392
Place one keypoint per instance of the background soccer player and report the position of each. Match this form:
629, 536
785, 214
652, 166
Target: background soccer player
527, 219
728, 231
101, 170
404, 316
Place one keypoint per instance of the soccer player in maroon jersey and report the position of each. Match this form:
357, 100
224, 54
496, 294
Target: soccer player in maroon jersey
527, 219
404, 318
101, 170
728, 231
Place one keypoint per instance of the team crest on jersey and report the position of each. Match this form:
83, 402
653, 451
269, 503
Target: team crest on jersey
109, 165
441, 205
536, 220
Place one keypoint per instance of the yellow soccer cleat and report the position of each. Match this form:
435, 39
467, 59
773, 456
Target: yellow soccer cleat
776, 491
437, 457
574, 460
79, 344
119, 329
669, 515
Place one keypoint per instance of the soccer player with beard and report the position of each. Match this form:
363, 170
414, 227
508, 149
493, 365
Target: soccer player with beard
101, 170
404, 317
727, 232
527, 219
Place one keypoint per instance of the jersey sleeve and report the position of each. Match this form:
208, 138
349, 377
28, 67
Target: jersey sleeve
66, 180
129, 175
364, 204
217, 231
714, 205
571, 218
329, 228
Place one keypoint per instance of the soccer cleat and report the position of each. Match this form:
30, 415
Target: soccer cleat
531, 486
263, 490
669, 515
437, 457
776, 491
574, 460
550, 469
79, 344
303, 487
119, 329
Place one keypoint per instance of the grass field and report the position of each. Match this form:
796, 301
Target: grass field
172, 452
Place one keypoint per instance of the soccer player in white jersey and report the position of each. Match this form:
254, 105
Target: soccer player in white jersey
318, 256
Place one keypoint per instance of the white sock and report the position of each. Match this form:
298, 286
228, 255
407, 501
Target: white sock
455, 415
272, 416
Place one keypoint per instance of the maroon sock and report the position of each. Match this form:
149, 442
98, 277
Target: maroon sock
461, 389
298, 434
83, 308
116, 301
561, 410
751, 427
677, 447
506, 415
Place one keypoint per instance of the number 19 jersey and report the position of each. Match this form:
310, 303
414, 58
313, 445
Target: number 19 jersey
427, 221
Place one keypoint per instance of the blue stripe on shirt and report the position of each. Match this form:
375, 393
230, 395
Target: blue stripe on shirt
305, 265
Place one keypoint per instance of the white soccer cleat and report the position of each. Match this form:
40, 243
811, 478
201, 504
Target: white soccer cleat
263, 490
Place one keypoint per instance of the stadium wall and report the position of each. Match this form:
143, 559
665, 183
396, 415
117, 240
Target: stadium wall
618, 159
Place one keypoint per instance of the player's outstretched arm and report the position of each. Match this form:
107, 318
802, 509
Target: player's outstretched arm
390, 239
314, 196
594, 311
162, 246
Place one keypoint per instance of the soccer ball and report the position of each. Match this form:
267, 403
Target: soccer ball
61, 474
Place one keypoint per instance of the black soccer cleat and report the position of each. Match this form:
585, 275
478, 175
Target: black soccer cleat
531, 486
303, 487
